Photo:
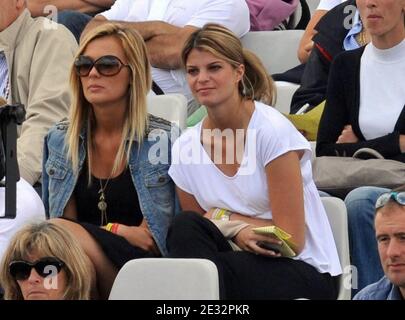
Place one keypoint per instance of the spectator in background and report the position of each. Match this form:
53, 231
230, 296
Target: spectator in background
334, 35
45, 262
360, 204
73, 14
390, 233
355, 106
165, 26
306, 43
265, 180
91, 7
34, 69
355, 102
100, 172
268, 14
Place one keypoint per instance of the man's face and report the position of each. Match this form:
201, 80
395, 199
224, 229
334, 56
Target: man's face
390, 233
10, 10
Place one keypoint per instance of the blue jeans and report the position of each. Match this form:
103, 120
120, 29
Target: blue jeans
360, 205
74, 21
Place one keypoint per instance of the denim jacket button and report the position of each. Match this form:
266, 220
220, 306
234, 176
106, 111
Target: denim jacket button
161, 179
51, 172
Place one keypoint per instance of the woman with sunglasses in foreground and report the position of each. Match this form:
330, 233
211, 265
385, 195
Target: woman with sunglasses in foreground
45, 262
269, 182
98, 171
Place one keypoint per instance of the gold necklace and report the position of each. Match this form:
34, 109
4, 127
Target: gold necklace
102, 204
362, 38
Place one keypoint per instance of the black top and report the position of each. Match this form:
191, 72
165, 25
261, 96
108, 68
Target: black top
121, 198
328, 44
342, 108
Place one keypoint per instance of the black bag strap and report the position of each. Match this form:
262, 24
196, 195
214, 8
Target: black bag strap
305, 16
156, 89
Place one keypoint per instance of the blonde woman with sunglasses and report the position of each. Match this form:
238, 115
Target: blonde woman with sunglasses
99, 173
45, 262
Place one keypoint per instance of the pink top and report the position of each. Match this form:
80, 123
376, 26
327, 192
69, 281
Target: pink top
268, 14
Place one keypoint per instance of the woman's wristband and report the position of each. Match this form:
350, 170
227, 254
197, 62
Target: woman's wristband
221, 214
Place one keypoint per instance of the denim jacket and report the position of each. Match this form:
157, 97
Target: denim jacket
155, 188
383, 289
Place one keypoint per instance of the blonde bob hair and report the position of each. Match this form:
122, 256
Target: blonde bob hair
136, 117
256, 84
46, 239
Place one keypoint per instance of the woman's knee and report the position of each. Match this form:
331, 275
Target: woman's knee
183, 224
186, 218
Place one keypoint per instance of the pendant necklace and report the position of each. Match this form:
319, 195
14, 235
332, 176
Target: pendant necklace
102, 204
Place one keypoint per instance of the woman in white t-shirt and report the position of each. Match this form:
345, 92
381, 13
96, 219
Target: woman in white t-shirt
261, 176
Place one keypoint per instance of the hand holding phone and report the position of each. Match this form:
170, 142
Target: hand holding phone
269, 246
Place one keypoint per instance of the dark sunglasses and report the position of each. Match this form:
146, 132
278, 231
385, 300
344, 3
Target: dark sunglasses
382, 200
21, 270
106, 65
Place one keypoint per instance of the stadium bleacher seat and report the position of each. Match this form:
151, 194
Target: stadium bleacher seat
172, 107
278, 52
276, 49
166, 279
337, 215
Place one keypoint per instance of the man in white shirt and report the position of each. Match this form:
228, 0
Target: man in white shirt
166, 24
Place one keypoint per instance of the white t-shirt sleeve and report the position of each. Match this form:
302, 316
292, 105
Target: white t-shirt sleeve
328, 4
119, 10
230, 13
278, 137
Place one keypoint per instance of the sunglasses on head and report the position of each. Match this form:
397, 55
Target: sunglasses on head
21, 270
106, 65
398, 197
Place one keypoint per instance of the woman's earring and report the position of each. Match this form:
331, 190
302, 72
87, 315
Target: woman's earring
244, 91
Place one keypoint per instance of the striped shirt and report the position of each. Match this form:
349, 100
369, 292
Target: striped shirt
3, 76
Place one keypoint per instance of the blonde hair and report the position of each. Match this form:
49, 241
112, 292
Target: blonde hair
48, 240
136, 118
256, 84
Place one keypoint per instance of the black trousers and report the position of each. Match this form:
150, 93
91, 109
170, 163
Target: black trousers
244, 275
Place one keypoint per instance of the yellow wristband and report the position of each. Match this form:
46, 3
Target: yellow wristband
109, 226
221, 214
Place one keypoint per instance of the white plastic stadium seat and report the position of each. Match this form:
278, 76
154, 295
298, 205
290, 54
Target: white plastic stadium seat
285, 92
276, 49
278, 52
336, 210
166, 279
172, 107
